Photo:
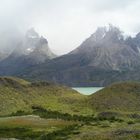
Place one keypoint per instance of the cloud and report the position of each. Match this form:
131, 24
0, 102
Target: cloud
66, 23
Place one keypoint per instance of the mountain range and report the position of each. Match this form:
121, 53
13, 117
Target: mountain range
106, 56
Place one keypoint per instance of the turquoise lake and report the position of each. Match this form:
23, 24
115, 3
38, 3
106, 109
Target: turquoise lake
87, 90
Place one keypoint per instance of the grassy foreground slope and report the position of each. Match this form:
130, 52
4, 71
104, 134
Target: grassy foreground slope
119, 97
17, 94
60, 113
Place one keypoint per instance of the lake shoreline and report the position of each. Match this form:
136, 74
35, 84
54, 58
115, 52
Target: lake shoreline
87, 90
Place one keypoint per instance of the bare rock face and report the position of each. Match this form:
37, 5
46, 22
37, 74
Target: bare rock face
33, 47
42, 52
107, 49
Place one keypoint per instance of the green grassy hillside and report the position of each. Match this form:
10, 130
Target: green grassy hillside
17, 94
44, 111
118, 97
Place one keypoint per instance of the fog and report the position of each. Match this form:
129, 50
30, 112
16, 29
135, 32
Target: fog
65, 23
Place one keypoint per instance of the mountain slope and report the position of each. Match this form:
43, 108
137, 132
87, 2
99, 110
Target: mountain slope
106, 49
3, 56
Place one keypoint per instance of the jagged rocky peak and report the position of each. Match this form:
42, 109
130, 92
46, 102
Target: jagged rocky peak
138, 35
43, 40
99, 34
27, 44
30, 42
137, 39
34, 47
38, 46
107, 33
107, 49
104, 37
31, 33
134, 42
42, 51
42, 47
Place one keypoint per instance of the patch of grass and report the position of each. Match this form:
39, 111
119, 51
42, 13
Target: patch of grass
32, 127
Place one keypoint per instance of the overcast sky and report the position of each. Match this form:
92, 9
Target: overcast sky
67, 23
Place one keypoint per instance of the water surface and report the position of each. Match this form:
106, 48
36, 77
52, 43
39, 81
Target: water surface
87, 90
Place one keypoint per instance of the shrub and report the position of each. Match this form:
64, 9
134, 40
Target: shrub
130, 122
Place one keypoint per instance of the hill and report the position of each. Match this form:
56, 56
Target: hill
17, 94
117, 97
42, 110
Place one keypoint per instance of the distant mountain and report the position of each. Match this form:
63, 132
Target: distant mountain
107, 49
105, 57
33, 47
31, 50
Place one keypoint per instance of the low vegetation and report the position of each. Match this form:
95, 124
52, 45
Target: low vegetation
43, 111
